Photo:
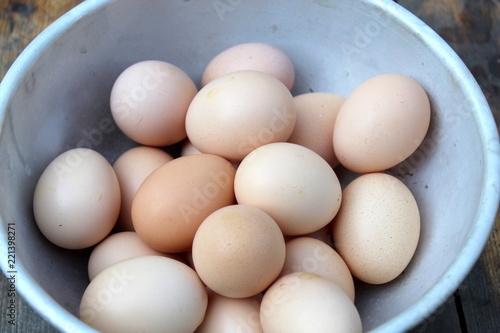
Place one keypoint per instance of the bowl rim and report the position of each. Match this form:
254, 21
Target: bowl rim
31, 292
418, 312
467, 257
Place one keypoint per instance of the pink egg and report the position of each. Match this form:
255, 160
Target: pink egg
251, 56
381, 123
149, 101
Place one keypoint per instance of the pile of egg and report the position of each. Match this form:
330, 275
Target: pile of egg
248, 230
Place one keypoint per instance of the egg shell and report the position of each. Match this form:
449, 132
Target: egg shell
145, 294
118, 247
226, 314
149, 101
77, 199
238, 251
381, 123
316, 115
308, 303
309, 255
251, 56
174, 200
238, 112
377, 228
131, 168
292, 184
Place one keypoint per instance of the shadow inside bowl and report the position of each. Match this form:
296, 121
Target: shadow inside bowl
56, 97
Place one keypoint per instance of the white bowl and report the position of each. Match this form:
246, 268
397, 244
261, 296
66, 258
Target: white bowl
55, 97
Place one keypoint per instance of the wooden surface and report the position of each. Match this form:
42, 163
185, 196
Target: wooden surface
471, 27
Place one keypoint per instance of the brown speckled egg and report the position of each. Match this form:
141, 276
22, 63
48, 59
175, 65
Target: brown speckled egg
377, 228
316, 114
172, 202
131, 168
238, 251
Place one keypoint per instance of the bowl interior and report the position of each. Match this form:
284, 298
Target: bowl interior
60, 99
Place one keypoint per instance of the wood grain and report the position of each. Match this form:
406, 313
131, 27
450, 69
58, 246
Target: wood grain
22, 21
471, 27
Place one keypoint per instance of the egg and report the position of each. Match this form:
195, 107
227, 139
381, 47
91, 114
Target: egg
118, 247
238, 112
308, 303
224, 314
173, 200
316, 114
306, 254
381, 123
238, 251
291, 183
149, 101
76, 201
145, 294
377, 228
131, 168
251, 56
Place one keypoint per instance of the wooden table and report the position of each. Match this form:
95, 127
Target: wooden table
471, 27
